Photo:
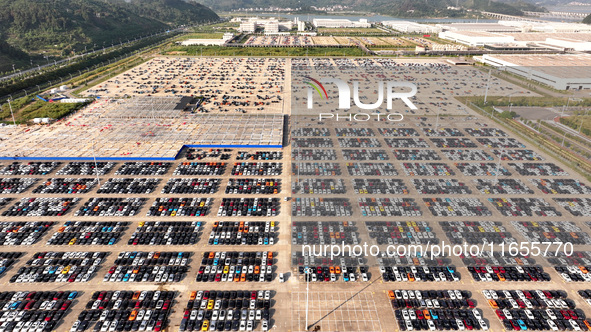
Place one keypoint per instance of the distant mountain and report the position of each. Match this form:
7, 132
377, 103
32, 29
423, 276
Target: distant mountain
32, 25
400, 8
587, 20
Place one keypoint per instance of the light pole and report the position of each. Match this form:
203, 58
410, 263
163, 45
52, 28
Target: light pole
308, 274
11, 113
437, 120
563, 107
98, 180
498, 168
487, 85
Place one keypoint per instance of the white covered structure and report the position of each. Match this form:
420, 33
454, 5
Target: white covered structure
340, 23
476, 38
208, 42
411, 27
570, 44
560, 71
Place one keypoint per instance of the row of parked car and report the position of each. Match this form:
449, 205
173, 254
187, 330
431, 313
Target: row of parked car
431, 310
227, 311
109, 311
34, 311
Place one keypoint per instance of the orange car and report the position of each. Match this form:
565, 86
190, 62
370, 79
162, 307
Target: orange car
257, 269
331, 269
493, 304
193, 295
391, 295
337, 269
136, 295
133, 316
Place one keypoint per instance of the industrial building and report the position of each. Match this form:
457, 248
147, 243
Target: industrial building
559, 71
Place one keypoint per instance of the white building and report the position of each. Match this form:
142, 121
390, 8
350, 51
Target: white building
301, 26
560, 71
476, 38
248, 27
340, 23
411, 27
270, 25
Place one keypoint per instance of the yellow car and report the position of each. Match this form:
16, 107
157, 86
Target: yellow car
205, 325
66, 270
209, 304
72, 242
142, 223
226, 269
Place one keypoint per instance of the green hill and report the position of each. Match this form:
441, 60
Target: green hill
57, 25
400, 8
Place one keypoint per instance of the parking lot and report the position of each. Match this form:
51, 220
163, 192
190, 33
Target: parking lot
172, 207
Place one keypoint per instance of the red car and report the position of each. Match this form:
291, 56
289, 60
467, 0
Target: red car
66, 305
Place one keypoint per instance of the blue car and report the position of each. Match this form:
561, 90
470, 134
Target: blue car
72, 295
521, 325
433, 314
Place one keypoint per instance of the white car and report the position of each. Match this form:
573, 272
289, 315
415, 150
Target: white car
483, 325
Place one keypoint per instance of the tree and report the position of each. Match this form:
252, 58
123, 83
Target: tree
507, 115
